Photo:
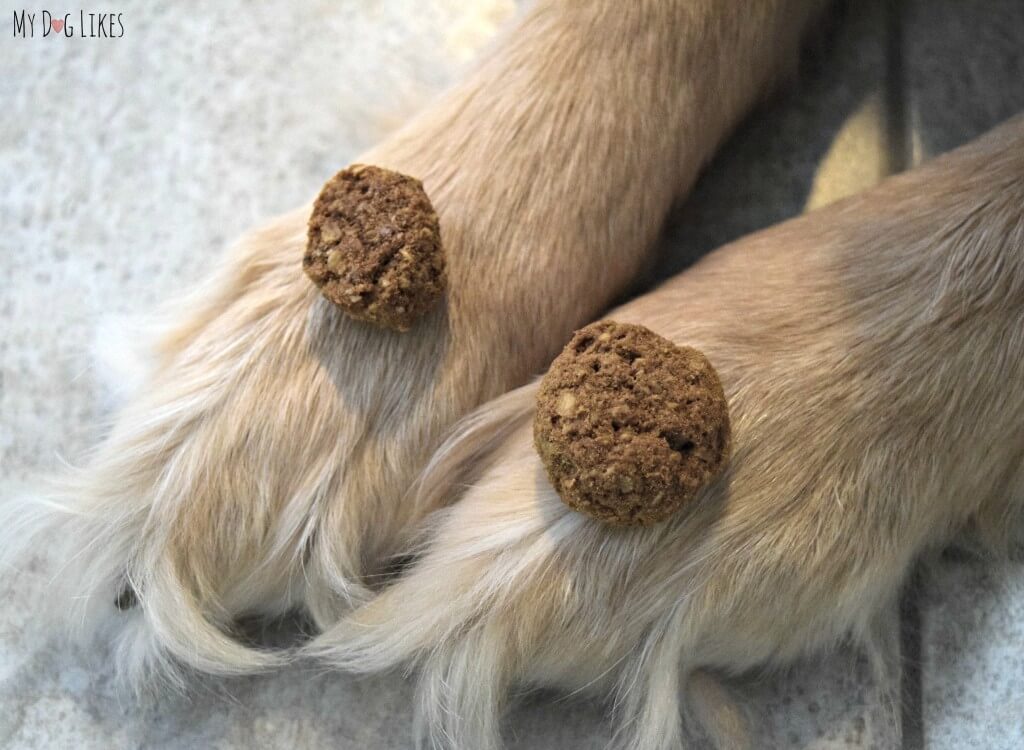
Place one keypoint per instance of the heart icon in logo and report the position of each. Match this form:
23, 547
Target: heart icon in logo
56, 25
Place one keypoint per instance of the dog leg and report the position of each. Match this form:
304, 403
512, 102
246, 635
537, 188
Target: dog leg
262, 463
873, 356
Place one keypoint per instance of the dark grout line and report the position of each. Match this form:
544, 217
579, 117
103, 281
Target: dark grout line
900, 158
898, 143
911, 688
897, 125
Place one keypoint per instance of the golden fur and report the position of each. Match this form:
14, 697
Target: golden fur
872, 353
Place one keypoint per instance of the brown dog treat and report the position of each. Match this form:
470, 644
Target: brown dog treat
629, 425
375, 246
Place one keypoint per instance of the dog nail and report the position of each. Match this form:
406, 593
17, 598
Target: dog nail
126, 598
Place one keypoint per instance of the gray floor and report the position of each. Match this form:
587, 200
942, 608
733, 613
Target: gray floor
128, 163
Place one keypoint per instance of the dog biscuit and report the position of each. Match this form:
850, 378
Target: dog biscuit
374, 246
630, 426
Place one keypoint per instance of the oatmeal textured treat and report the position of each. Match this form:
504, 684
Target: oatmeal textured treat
375, 246
629, 425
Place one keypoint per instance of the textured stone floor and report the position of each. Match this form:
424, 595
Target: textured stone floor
129, 163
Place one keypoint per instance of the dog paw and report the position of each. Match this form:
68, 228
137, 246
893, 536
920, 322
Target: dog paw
512, 589
262, 462
515, 589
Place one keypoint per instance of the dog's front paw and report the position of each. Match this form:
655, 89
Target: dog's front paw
255, 469
514, 589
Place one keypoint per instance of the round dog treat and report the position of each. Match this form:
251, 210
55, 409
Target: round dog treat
375, 246
629, 425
